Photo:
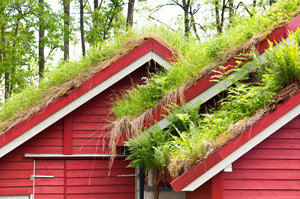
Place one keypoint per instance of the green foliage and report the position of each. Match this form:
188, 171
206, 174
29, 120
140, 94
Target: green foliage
19, 20
150, 150
105, 21
193, 56
17, 43
242, 102
283, 63
196, 133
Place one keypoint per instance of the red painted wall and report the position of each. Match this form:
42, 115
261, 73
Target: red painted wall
84, 131
76, 179
270, 170
203, 192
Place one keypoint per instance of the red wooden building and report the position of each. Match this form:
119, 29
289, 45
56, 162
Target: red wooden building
262, 162
61, 151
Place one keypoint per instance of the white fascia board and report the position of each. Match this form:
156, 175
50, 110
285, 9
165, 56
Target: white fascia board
15, 197
30, 155
244, 149
79, 101
161, 61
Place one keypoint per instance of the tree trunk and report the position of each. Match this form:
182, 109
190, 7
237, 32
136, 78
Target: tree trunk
272, 1
193, 23
95, 4
186, 5
66, 29
7, 91
130, 12
231, 10
254, 3
219, 30
222, 15
41, 43
82, 27
7, 86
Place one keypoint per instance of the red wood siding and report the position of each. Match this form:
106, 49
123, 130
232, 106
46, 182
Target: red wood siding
270, 170
84, 131
203, 192
76, 179
91, 120
212, 189
14, 175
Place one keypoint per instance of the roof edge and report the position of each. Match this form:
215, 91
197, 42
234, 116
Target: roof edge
238, 146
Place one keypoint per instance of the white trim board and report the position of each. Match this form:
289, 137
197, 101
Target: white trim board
15, 197
243, 149
81, 100
30, 155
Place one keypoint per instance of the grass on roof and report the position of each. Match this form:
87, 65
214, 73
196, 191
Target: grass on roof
194, 56
191, 136
67, 76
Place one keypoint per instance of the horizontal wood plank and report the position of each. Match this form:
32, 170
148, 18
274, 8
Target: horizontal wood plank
267, 164
101, 189
263, 174
102, 196
277, 154
280, 144
93, 173
262, 184
294, 124
49, 196
101, 181
261, 194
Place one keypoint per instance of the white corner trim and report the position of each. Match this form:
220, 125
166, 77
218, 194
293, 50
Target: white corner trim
243, 149
78, 102
228, 168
